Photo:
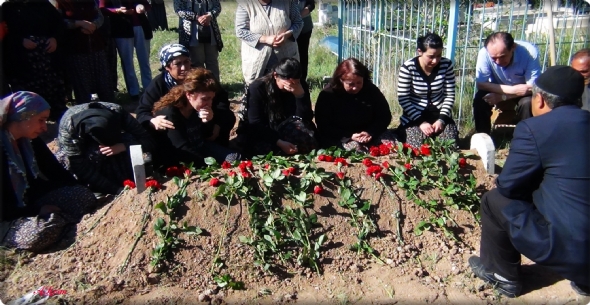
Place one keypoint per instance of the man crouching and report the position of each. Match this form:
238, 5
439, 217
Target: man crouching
541, 206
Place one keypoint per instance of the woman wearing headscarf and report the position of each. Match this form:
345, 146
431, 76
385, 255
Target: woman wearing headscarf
33, 51
39, 197
175, 64
279, 112
84, 46
94, 142
200, 33
189, 108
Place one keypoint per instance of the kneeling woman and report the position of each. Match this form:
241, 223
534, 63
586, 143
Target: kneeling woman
279, 112
351, 112
94, 140
426, 92
39, 197
188, 107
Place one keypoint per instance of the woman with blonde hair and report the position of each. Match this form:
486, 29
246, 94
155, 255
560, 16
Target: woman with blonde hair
189, 107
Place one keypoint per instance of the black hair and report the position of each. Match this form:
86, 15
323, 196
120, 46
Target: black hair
286, 68
504, 36
429, 41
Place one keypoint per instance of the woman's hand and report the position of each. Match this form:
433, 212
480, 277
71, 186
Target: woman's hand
269, 40
438, 126
206, 114
51, 45
287, 147
362, 137
29, 44
204, 20
160, 123
280, 39
87, 26
47, 210
112, 150
294, 87
427, 129
215, 133
140, 9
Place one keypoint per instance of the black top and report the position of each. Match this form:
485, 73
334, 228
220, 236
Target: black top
56, 175
157, 89
340, 114
182, 143
260, 129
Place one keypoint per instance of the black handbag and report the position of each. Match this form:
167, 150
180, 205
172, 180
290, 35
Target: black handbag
300, 133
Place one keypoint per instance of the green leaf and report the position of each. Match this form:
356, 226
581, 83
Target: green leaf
245, 240
297, 235
210, 161
162, 207
237, 285
160, 223
267, 179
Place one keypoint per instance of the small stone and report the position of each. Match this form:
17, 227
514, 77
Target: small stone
153, 278
389, 261
204, 298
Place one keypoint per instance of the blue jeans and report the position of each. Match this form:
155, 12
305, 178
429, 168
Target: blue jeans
125, 48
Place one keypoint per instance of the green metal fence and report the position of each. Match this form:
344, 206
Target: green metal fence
383, 33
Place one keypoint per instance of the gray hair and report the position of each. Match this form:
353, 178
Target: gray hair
552, 100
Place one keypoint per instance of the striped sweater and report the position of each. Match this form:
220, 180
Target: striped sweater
416, 91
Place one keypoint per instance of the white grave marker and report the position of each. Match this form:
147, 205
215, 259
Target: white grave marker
138, 167
485, 148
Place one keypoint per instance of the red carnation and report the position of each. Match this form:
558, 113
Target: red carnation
153, 184
225, 165
187, 172
385, 164
462, 162
329, 158
322, 158
425, 149
129, 183
367, 162
291, 170
286, 172
416, 152
342, 161
245, 174
214, 182
231, 174
317, 189
374, 151
384, 150
340, 175
408, 166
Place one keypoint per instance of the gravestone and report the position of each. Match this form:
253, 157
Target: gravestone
138, 167
485, 148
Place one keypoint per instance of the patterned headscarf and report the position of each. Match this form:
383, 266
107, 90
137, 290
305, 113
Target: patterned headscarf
18, 107
167, 54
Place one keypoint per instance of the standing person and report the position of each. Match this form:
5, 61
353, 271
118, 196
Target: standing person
157, 15
505, 72
279, 112
426, 93
268, 31
39, 197
84, 50
541, 206
131, 30
33, 46
581, 63
189, 108
110, 47
93, 144
305, 7
351, 112
200, 33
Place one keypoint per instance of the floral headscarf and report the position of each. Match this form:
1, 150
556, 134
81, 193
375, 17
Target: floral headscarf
18, 107
167, 54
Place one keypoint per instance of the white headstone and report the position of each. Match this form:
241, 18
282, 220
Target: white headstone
485, 148
138, 168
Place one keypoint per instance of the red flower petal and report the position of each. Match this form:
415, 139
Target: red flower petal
329, 158
367, 162
408, 166
385, 164
214, 182
462, 162
225, 165
317, 189
340, 175
322, 158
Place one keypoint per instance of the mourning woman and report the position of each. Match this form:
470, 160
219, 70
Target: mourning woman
94, 142
39, 197
175, 65
351, 112
279, 112
188, 107
426, 92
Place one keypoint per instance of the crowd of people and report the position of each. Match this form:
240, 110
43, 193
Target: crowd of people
184, 116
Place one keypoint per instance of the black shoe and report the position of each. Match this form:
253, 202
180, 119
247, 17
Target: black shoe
580, 289
510, 289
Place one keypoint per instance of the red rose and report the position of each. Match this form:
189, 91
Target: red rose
245, 174
425, 149
373, 169
153, 184
129, 183
187, 172
291, 170
329, 158
408, 166
385, 164
231, 174
340, 175
462, 162
367, 162
384, 150
225, 165
322, 158
245, 165
286, 172
374, 151
416, 152
406, 145
214, 182
317, 189
342, 161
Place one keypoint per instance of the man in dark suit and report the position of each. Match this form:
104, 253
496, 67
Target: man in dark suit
541, 206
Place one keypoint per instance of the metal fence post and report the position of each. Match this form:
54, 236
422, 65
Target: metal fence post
452, 30
340, 29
